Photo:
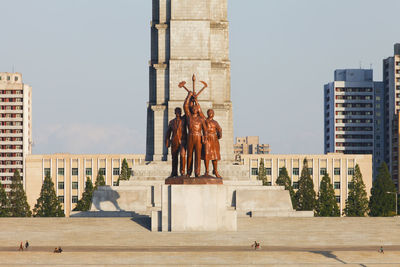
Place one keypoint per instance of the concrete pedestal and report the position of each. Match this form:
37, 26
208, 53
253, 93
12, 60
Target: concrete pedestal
194, 208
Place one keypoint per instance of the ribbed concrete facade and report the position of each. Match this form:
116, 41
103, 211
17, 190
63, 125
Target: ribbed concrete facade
188, 37
15, 125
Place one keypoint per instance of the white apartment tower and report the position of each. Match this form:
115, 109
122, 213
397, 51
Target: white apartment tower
391, 80
15, 127
188, 37
352, 107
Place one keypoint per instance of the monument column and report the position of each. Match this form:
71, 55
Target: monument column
188, 36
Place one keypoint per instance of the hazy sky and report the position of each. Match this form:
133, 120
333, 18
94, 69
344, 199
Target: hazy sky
87, 61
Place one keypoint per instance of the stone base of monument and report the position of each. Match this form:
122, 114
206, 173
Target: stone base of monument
194, 208
217, 205
193, 180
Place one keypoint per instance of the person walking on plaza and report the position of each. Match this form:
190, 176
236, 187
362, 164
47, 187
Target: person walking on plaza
381, 250
26, 245
21, 248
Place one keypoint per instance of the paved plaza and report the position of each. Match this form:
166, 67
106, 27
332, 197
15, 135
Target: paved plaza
127, 241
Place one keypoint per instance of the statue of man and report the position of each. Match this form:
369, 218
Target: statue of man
194, 124
212, 133
177, 127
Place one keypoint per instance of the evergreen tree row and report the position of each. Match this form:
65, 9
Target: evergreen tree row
381, 203
15, 204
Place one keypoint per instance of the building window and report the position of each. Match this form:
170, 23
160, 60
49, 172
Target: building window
115, 171
16, 79
336, 171
268, 171
310, 171
322, 171
60, 185
102, 171
295, 185
254, 171
295, 171
74, 171
74, 185
268, 183
337, 199
337, 185
115, 183
61, 199
8, 78
60, 171
74, 199
88, 171
130, 171
47, 171
350, 185
350, 171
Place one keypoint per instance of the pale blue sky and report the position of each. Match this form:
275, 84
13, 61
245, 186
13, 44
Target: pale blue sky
87, 61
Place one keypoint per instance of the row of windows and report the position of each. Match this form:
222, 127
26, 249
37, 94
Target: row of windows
11, 115
354, 129
354, 112
11, 139
354, 144
8, 78
10, 162
11, 123
11, 131
354, 105
88, 171
354, 121
355, 136
295, 171
11, 147
11, 107
354, 97
11, 99
10, 92
74, 185
338, 89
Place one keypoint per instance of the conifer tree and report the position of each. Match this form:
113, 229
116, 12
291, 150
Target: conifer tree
125, 174
47, 204
19, 206
262, 174
86, 201
381, 202
305, 195
99, 180
4, 203
326, 203
284, 180
357, 200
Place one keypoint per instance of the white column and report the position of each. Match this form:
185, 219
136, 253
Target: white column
57, 177
340, 191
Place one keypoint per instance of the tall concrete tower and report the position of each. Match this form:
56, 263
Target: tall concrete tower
188, 36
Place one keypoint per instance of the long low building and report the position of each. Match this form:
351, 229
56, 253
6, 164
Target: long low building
340, 168
69, 171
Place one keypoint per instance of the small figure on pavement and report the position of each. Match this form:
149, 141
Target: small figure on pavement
26, 245
21, 248
381, 250
256, 245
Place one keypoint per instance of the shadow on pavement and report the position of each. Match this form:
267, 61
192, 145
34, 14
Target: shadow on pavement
142, 220
330, 255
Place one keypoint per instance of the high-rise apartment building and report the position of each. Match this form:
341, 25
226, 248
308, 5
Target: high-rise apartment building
250, 145
391, 80
352, 107
15, 125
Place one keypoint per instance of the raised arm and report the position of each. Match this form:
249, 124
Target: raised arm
200, 111
186, 104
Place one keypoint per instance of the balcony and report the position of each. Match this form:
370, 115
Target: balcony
11, 158
11, 150
11, 142
11, 166
11, 111
11, 103
12, 135
11, 119
5, 127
